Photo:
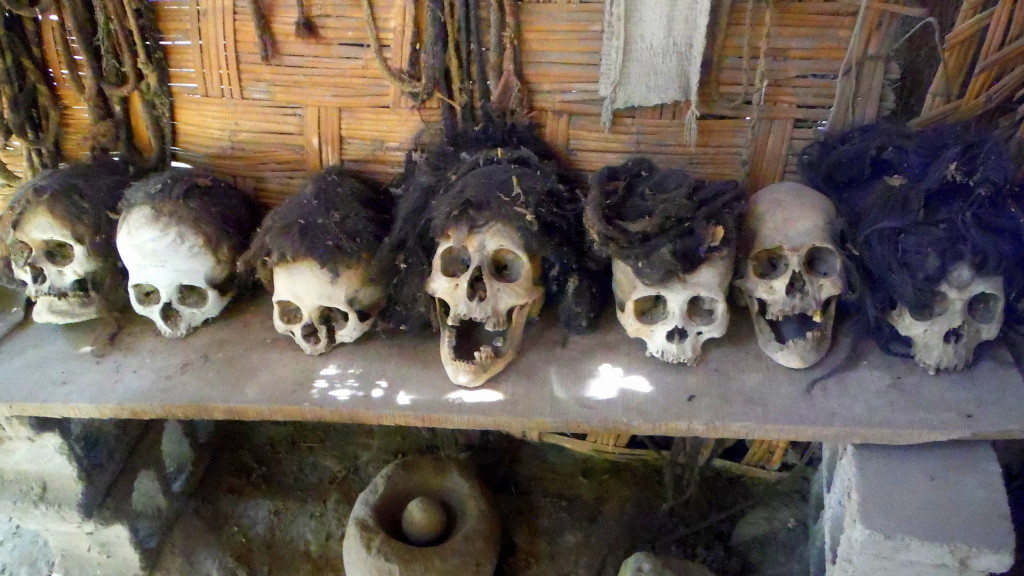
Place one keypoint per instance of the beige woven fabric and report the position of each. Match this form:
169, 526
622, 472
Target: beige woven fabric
651, 55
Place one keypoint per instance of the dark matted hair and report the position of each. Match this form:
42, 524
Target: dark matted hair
335, 220
83, 197
497, 172
917, 203
661, 223
223, 216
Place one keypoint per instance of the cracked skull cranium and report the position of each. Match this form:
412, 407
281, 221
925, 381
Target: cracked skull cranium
793, 276
965, 311
59, 272
485, 285
174, 278
320, 310
675, 318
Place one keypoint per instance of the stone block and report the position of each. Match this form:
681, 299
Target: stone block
62, 464
931, 509
52, 472
647, 564
155, 483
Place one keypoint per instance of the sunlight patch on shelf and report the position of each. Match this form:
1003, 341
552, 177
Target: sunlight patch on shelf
403, 399
474, 396
610, 380
331, 370
345, 393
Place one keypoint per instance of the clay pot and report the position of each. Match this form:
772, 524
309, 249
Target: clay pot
467, 542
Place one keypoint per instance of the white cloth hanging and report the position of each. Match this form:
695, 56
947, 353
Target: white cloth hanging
651, 55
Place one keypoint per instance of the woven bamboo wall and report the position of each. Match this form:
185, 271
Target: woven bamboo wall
771, 77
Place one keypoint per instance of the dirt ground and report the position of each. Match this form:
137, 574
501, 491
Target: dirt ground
276, 499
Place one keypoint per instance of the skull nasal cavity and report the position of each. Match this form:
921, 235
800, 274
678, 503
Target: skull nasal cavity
170, 316
310, 334
477, 288
796, 285
677, 334
38, 276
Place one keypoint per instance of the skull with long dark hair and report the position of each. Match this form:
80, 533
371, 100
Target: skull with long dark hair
314, 253
58, 235
487, 228
672, 242
937, 226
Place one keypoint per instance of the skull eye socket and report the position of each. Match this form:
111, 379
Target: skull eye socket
58, 253
146, 294
288, 313
821, 261
984, 307
20, 253
191, 296
650, 309
455, 261
937, 307
769, 264
330, 316
506, 266
702, 310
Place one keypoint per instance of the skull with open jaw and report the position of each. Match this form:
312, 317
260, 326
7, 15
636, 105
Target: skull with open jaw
485, 287
793, 276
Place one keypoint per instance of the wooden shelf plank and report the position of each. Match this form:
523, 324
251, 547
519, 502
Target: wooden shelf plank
239, 368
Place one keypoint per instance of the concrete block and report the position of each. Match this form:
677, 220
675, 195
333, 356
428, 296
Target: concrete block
647, 564
52, 487
155, 483
64, 464
931, 509
23, 552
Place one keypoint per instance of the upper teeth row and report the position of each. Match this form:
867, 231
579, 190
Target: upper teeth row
818, 315
492, 323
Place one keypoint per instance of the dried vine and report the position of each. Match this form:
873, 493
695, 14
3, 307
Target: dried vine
119, 45
29, 110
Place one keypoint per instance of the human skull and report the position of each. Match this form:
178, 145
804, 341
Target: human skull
56, 268
485, 286
675, 318
794, 274
174, 278
320, 310
967, 310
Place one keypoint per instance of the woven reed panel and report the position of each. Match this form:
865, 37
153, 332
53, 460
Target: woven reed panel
322, 101
804, 48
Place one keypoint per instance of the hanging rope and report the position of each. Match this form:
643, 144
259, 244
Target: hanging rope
118, 42
29, 110
416, 89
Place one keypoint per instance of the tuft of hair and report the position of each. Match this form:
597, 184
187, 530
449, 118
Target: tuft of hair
915, 204
497, 172
82, 197
661, 223
335, 221
222, 215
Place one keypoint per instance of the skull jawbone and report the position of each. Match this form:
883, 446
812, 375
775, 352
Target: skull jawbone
66, 310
